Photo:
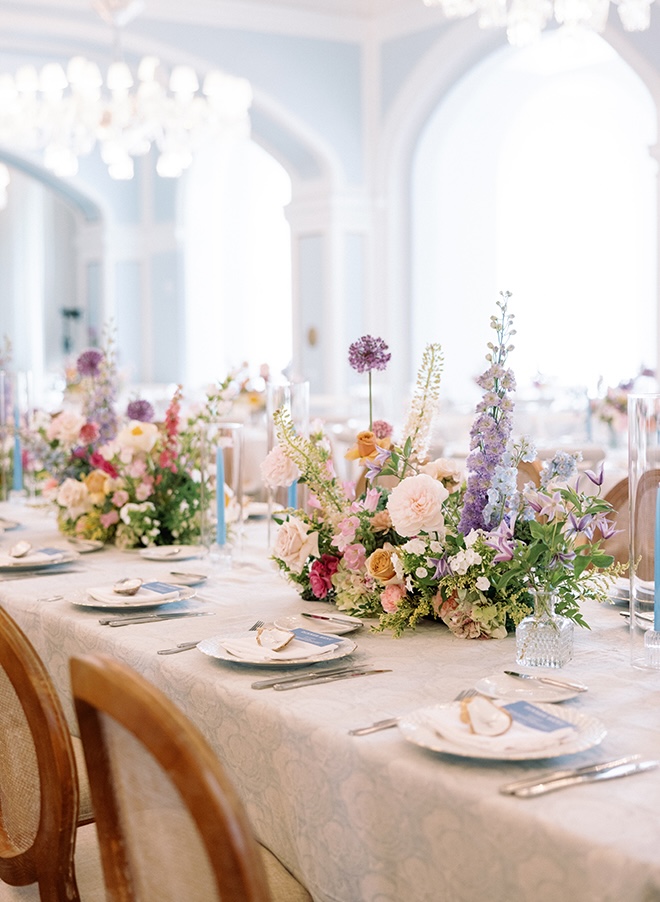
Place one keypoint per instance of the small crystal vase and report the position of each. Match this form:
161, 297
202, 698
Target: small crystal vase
544, 639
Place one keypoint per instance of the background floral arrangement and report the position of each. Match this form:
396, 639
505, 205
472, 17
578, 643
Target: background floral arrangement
470, 553
125, 479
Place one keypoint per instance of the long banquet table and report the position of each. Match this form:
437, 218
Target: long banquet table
375, 818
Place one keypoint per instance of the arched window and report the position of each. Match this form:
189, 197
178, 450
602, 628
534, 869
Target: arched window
534, 176
237, 262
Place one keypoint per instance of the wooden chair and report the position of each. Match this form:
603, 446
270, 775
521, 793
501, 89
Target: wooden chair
643, 510
39, 796
619, 545
170, 825
529, 471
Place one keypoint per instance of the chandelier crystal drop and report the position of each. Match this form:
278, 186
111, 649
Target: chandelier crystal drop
524, 20
63, 112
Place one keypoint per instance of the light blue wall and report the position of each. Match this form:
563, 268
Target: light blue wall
312, 300
167, 319
130, 340
318, 81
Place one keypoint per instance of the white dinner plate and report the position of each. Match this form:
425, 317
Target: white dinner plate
182, 578
104, 597
6, 525
340, 626
36, 561
214, 649
416, 728
508, 688
173, 552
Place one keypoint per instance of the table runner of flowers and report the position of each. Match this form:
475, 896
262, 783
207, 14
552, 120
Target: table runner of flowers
125, 479
469, 552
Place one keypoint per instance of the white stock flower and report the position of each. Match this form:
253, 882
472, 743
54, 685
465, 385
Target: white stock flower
278, 470
415, 505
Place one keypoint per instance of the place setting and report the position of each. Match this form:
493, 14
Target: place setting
145, 601
23, 557
275, 647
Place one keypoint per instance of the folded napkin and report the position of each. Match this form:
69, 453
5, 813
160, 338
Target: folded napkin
42, 556
246, 647
148, 592
519, 737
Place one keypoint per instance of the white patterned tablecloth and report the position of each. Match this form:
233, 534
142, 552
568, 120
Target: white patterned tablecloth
374, 818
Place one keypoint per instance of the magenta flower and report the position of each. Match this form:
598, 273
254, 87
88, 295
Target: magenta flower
89, 362
140, 410
368, 353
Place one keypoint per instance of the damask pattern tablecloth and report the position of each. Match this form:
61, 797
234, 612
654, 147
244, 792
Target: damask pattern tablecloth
374, 818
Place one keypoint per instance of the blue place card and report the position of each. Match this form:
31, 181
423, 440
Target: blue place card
314, 638
161, 588
530, 716
51, 552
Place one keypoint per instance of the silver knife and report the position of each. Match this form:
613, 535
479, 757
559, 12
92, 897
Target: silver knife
386, 724
153, 618
326, 678
562, 773
273, 681
612, 773
550, 681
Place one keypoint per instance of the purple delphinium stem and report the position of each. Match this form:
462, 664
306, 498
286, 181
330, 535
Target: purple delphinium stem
493, 425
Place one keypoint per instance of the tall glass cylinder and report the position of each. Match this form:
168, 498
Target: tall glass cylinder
293, 397
644, 529
222, 490
6, 435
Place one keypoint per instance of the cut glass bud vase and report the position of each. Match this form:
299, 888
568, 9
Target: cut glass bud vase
544, 639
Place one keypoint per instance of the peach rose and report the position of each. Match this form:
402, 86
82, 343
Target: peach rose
415, 505
391, 597
295, 544
381, 521
65, 427
446, 471
365, 448
380, 566
74, 496
97, 483
278, 470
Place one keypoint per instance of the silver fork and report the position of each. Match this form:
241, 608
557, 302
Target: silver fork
186, 646
393, 721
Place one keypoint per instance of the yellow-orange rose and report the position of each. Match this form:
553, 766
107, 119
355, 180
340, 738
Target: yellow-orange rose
97, 483
365, 449
380, 566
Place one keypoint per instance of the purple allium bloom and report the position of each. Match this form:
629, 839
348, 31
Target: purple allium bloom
368, 353
89, 362
140, 410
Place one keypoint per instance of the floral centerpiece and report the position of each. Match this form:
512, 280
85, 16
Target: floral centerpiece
469, 552
126, 480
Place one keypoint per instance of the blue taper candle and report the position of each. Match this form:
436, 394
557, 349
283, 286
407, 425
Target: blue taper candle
221, 528
292, 494
18, 454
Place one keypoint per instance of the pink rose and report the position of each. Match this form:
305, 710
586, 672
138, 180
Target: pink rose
120, 498
295, 543
65, 427
89, 433
390, 598
278, 470
415, 505
320, 575
109, 519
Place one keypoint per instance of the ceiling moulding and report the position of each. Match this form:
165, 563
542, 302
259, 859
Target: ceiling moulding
325, 19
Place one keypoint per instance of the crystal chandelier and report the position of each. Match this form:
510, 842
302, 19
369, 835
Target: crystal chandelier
64, 112
524, 20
